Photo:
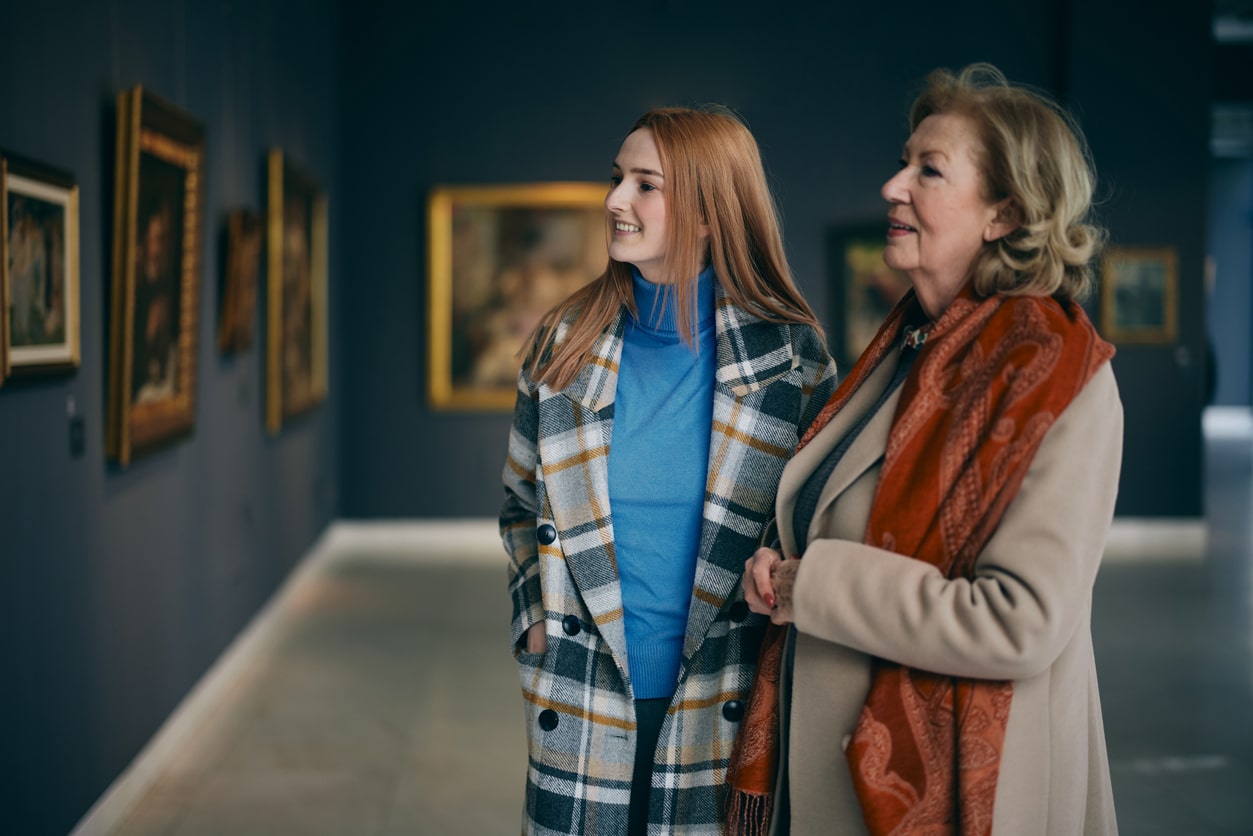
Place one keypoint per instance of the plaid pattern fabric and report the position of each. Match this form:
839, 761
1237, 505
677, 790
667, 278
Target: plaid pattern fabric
557, 528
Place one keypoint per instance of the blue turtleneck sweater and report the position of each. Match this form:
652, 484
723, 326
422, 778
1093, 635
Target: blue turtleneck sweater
658, 462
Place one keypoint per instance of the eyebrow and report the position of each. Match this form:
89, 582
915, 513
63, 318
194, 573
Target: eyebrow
925, 152
645, 171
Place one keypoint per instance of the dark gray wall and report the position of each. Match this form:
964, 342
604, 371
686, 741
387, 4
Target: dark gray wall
1147, 120
1230, 306
118, 588
495, 92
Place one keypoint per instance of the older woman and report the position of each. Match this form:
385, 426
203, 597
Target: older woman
940, 527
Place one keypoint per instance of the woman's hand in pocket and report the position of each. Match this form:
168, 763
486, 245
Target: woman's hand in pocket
536, 639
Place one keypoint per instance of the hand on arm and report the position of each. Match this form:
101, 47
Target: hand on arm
768, 583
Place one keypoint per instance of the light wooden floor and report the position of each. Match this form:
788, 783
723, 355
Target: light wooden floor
375, 696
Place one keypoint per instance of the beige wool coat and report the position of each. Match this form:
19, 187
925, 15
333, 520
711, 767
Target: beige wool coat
1024, 617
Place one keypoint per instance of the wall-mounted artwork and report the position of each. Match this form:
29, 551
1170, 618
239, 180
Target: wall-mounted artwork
864, 289
158, 215
500, 258
39, 284
244, 240
1138, 294
296, 315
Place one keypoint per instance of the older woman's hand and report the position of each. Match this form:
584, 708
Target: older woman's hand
768, 581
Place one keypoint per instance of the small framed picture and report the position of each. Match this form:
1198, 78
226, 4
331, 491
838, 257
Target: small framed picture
244, 240
1139, 294
39, 283
153, 323
864, 289
296, 300
500, 258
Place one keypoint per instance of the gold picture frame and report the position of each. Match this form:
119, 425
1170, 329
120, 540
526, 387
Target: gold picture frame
40, 303
500, 257
157, 241
296, 298
1139, 295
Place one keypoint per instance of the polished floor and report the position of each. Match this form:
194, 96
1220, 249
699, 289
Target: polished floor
375, 695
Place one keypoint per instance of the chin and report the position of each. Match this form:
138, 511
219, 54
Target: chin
895, 263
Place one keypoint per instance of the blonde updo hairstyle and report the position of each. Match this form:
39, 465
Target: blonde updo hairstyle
1035, 155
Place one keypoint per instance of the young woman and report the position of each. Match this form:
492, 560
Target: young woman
656, 409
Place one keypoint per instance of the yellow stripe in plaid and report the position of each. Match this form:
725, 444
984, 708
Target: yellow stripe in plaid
578, 711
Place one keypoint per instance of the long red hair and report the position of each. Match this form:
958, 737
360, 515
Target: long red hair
714, 176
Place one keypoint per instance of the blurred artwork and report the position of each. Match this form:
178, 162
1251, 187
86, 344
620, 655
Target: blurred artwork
1138, 295
244, 240
866, 288
38, 268
153, 326
296, 342
502, 257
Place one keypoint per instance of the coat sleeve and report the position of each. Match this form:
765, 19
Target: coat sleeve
818, 376
1033, 582
518, 513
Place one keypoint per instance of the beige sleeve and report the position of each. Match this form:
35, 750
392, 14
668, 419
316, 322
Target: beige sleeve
1033, 582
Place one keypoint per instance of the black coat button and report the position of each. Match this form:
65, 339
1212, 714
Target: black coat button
739, 611
546, 534
548, 719
571, 625
733, 710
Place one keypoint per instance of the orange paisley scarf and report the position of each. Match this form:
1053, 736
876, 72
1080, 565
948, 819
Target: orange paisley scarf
990, 378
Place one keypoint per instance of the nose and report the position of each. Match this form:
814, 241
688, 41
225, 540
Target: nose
613, 199
894, 190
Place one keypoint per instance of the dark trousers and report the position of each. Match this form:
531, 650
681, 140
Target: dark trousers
649, 715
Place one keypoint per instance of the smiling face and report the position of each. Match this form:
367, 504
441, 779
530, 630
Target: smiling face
940, 216
636, 204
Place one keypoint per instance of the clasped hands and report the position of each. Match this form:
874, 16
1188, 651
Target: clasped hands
768, 583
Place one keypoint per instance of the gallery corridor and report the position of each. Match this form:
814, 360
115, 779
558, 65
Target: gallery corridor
375, 695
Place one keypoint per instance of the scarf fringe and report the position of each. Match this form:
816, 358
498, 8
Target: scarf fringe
748, 814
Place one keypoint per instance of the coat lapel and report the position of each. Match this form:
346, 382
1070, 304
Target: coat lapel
574, 455
864, 453
597, 384
752, 356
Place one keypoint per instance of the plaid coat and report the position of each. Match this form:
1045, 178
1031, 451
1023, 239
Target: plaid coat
557, 528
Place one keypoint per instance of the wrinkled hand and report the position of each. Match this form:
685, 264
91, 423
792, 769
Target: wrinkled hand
536, 639
768, 582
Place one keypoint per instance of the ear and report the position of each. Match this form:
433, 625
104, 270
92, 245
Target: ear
702, 231
1005, 221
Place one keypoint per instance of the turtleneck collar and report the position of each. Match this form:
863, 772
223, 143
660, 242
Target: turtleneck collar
656, 307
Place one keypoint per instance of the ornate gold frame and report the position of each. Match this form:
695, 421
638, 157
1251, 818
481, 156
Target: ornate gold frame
153, 130
444, 392
288, 394
1139, 295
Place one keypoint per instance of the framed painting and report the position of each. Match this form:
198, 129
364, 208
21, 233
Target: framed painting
864, 289
1139, 294
39, 279
157, 240
296, 297
242, 261
500, 258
